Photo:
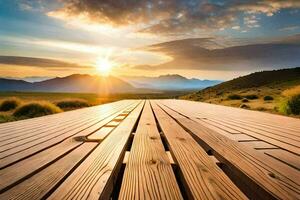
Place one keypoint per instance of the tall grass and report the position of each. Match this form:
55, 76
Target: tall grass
36, 109
70, 104
291, 103
9, 104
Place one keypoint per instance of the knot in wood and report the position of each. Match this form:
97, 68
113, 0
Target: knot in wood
180, 138
153, 162
153, 137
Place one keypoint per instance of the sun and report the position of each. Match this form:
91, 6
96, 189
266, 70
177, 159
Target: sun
104, 66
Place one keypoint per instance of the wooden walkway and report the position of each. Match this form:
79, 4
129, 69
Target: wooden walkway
157, 149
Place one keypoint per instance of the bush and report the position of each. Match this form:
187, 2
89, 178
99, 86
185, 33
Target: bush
290, 105
6, 118
244, 106
10, 104
284, 108
251, 96
234, 97
294, 104
72, 104
268, 98
36, 110
244, 100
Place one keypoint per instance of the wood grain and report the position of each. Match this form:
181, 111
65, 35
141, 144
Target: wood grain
204, 179
94, 178
265, 178
148, 173
8, 176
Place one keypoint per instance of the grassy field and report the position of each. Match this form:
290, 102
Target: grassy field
91, 99
251, 98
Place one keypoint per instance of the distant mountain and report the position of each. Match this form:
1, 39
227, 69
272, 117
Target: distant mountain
259, 81
169, 82
31, 78
74, 83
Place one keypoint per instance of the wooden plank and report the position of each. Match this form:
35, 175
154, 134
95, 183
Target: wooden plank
247, 115
280, 140
284, 156
204, 179
220, 126
27, 167
94, 178
259, 145
236, 136
270, 128
27, 124
126, 156
264, 178
29, 149
37, 186
113, 124
60, 124
101, 133
171, 160
242, 138
148, 173
277, 140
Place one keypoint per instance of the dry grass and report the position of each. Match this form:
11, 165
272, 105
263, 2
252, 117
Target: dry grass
9, 104
292, 91
279, 93
71, 104
36, 109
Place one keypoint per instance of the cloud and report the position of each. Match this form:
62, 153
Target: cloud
38, 62
289, 28
172, 16
193, 54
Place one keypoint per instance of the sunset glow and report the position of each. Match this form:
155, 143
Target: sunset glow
104, 66
201, 39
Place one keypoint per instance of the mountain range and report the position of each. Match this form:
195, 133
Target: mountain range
74, 83
169, 82
80, 83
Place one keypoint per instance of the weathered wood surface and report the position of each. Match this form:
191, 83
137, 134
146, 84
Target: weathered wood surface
148, 173
174, 149
204, 179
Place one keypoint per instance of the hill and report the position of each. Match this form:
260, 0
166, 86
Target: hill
169, 82
73, 83
254, 87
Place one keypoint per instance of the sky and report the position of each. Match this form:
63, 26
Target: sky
204, 39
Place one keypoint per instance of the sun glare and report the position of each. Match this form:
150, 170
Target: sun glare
104, 65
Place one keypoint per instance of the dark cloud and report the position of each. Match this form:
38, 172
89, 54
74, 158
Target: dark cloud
172, 16
38, 62
192, 54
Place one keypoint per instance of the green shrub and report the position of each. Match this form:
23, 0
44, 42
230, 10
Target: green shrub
290, 105
294, 104
72, 104
244, 100
36, 109
6, 118
10, 104
268, 98
234, 97
284, 108
251, 96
